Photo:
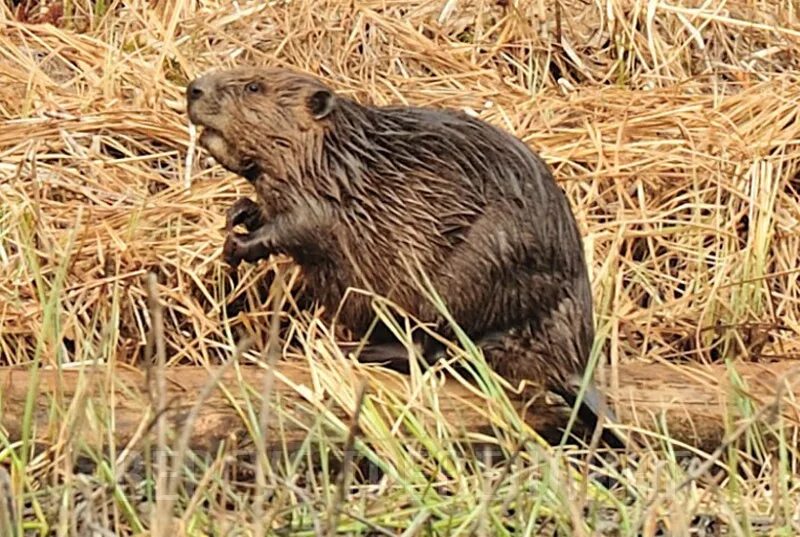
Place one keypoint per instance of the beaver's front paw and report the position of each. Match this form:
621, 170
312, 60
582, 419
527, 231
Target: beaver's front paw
232, 250
243, 247
246, 212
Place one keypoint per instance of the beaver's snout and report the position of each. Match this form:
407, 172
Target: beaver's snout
193, 92
198, 88
200, 104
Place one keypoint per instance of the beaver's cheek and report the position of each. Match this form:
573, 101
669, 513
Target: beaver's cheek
201, 114
207, 114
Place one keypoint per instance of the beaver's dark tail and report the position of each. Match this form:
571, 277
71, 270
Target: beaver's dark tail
592, 408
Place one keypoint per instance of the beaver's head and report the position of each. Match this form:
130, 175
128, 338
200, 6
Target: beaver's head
259, 120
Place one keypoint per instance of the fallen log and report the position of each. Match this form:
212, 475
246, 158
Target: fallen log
694, 401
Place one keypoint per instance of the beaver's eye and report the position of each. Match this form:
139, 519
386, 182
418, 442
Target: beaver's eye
253, 87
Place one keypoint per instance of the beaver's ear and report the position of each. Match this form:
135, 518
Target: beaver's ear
321, 103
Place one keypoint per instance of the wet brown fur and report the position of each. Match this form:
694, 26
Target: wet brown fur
352, 191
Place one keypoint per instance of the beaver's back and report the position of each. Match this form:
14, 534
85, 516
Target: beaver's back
479, 210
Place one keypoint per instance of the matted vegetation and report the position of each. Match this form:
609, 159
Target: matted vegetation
672, 127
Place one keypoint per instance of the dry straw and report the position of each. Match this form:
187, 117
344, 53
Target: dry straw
672, 126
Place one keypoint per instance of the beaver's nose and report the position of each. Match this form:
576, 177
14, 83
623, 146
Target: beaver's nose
200, 87
195, 90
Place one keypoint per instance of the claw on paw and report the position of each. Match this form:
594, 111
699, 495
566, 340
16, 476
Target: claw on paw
231, 250
246, 212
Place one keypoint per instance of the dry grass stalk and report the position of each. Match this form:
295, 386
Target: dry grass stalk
8, 508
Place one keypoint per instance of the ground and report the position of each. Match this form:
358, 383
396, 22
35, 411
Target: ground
672, 127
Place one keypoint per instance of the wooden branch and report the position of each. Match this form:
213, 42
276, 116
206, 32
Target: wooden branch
695, 401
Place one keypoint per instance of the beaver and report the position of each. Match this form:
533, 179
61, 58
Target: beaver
352, 192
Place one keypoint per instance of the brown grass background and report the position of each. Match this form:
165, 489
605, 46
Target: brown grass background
671, 125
